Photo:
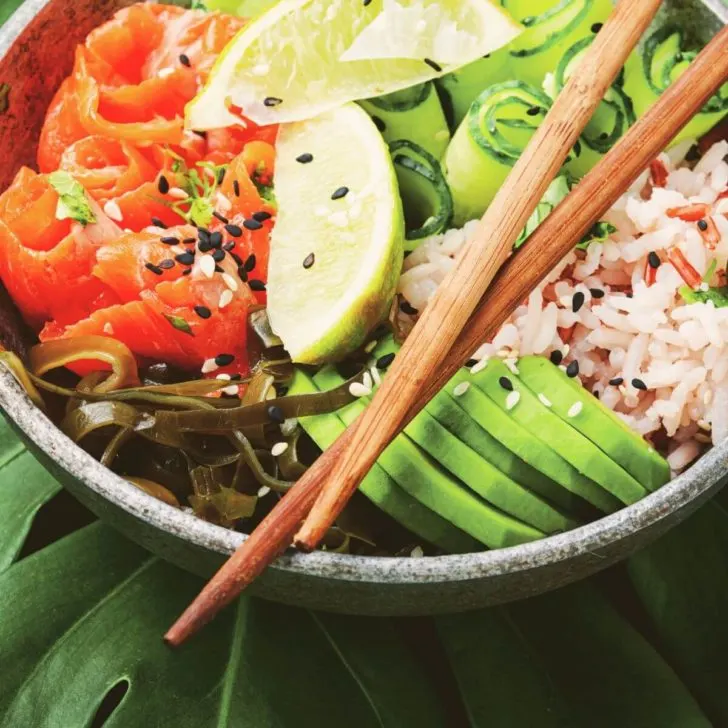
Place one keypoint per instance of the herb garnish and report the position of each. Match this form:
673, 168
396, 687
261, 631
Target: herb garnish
72, 201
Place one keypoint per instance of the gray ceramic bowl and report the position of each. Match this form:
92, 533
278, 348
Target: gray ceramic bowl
36, 49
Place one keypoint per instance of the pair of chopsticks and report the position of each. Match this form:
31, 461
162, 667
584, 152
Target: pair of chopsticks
461, 317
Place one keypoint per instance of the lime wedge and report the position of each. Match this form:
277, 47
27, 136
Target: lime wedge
336, 248
304, 57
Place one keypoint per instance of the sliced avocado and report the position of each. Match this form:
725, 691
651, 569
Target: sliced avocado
529, 447
475, 470
563, 439
595, 421
379, 488
417, 473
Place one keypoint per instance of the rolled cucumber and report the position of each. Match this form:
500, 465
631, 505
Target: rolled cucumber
459, 89
426, 198
487, 144
379, 488
414, 114
610, 122
663, 57
550, 26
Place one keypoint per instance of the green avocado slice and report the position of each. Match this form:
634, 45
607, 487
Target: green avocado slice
530, 448
475, 469
563, 439
595, 421
379, 488
417, 473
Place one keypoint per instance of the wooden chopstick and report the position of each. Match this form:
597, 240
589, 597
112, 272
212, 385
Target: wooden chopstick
595, 194
437, 329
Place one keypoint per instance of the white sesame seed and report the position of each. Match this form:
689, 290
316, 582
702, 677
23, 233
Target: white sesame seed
230, 282
226, 298
376, 376
177, 193
232, 391
263, 491
704, 287
479, 366
278, 449
165, 72
178, 249
511, 364
151, 229
575, 409
207, 266
417, 552
367, 380
224, 377
222, 203
512, 399
108, 329
261, 69
113, 211
544, 400
289, 426
371, 346
209, 366
703, 425
356, 389
461, 388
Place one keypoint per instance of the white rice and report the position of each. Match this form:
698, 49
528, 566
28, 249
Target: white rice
635, 331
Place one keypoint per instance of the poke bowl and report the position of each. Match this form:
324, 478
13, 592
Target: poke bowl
448, 532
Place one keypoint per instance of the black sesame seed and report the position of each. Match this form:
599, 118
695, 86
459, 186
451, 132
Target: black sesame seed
639, 384
471, 363
702, 225
167, 264
281, 391
408, 308
272, 101
366, 2
221, 175
228, 246
234, 230
577, 301
158, 223
236, 188
597, 27
238, 260
433, 65
276, 414
304, 158
216, 239
169, 241
256, 285
203, 233
250, 224
340, 193
309, 260
250, 262
223, 360
384, 361
187, 271
218, 269
596, 292
654, 260
604, 136
262, 216
203, 312
202, 134
188, 241
573, 369
243, 274
534, 111
163, 185
220, 217
204, 246
236, 377
184, 60
154, 268
617, 381
218, 256
556, 357
506, 383
379, 123
185, 258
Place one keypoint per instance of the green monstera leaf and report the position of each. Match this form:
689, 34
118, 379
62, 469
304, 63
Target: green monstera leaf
564, 660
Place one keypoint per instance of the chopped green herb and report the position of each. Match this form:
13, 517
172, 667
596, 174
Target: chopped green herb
180, 324
72, 201
711, 271
718, 296
598, 234
264, 190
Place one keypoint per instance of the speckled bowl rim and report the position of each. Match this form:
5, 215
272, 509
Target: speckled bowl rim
699, 479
